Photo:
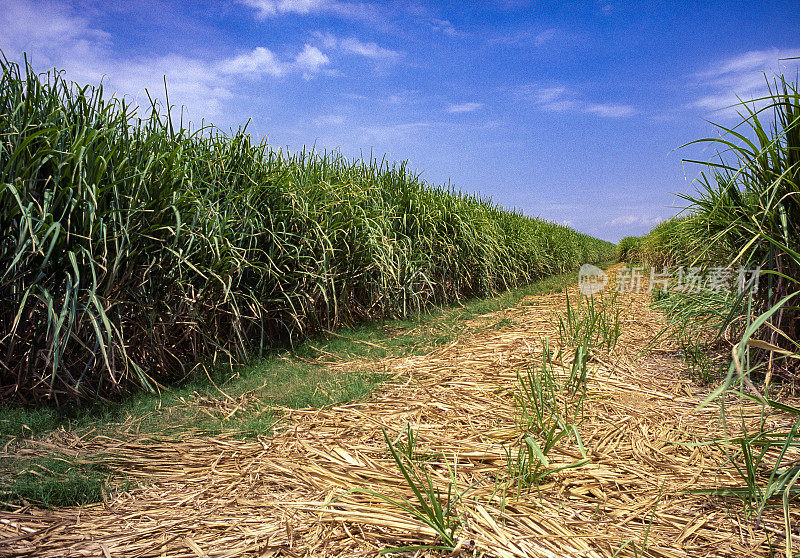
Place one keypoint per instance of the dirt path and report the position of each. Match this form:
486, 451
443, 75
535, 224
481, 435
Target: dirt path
288, 495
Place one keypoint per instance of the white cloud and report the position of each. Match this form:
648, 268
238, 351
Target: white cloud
562, 99
444, 26
757, 60
310, 60
554, 99
631, 219
351, 45
274, 8
464, 107
260, 61
741, 78
201, 85
610, 110
545, 36
369, 50
405, 97
329, 120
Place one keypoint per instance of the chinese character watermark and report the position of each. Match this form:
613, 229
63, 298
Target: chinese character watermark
592, 279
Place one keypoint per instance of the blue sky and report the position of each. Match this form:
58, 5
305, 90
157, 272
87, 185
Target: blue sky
572, 111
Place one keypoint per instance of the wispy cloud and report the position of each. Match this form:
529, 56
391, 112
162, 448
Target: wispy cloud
327, 120
259, 61
274, 8
562, 99
351, 45
742, 77
605, 8
464, 107
554, 99
635, 219
444, 26
369, 49
544, 37
403, 97
610, 110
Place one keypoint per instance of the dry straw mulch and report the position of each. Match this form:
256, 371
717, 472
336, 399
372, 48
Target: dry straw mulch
288, 495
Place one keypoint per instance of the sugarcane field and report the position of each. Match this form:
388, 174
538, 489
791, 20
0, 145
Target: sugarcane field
497, 280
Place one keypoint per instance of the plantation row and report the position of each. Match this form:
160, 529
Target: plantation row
744, 216
131, 250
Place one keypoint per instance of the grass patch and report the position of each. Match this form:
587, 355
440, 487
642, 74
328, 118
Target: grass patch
20, 422
54, 480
